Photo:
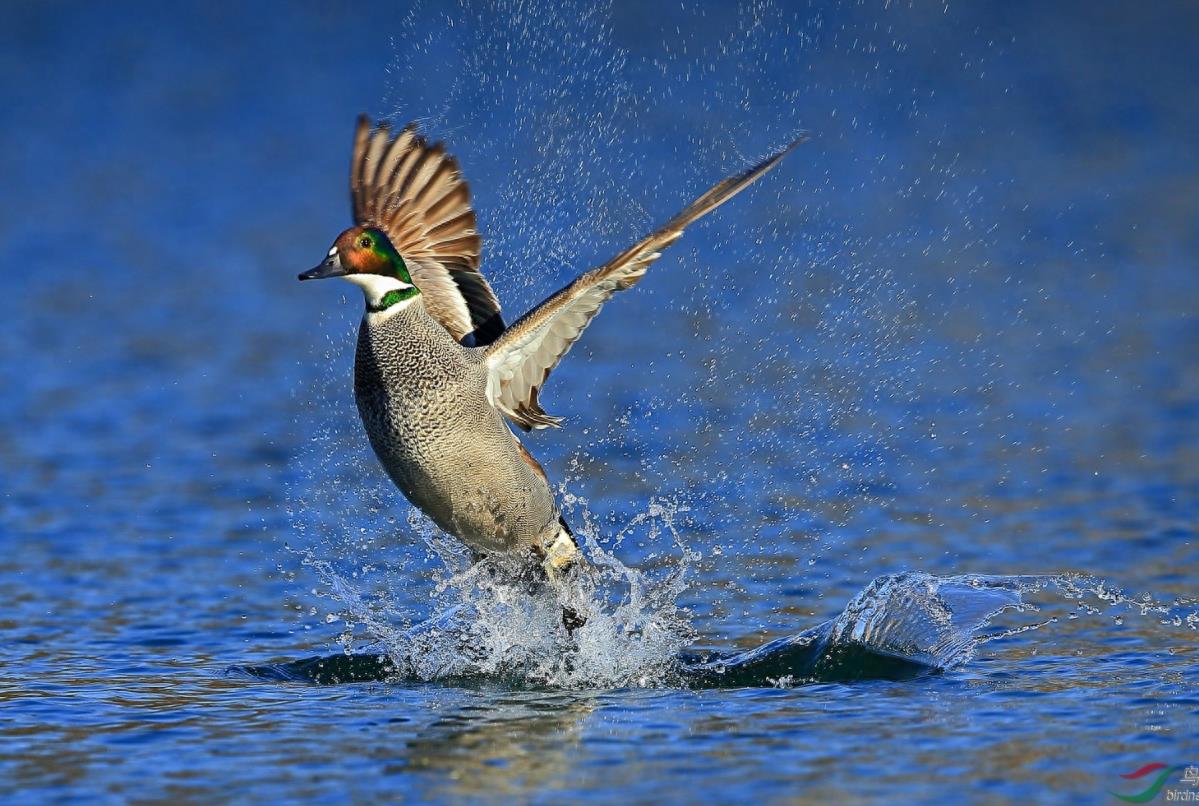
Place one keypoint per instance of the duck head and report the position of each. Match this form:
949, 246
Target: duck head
366, 257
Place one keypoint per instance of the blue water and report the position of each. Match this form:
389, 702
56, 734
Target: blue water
956, 333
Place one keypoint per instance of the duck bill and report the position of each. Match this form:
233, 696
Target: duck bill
331, 267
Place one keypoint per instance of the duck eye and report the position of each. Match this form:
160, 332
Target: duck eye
364, 243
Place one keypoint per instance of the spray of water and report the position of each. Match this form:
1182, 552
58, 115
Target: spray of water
546, 109
491, 620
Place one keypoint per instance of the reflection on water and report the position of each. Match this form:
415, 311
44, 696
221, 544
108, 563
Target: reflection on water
503, 745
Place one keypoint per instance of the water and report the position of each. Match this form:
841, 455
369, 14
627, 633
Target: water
948, 345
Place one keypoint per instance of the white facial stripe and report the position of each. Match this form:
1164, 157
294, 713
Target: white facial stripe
332, 251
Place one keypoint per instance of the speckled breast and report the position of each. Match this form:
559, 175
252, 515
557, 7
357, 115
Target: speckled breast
422, 400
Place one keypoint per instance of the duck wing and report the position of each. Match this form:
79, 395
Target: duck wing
523, 356
415, 193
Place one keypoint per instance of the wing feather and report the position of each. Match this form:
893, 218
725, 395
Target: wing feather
415, 193
521, 359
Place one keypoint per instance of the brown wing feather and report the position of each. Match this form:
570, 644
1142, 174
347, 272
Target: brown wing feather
522, 358
415, 193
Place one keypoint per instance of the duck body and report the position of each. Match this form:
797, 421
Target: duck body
438, 376
423, 401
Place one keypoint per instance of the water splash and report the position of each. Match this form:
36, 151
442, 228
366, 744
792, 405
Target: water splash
490, 621
900, 626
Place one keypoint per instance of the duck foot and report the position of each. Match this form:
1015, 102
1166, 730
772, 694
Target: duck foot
571, 619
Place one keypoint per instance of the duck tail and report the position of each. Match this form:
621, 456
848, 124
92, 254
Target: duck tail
561, 552
560, 556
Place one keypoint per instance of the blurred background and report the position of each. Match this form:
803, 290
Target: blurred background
955, 332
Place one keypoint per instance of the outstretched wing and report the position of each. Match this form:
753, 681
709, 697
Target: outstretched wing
415, 193
521, 359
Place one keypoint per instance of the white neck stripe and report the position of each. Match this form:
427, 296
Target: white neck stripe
375, 287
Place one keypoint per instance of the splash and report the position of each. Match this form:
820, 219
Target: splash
899, 627
484, 626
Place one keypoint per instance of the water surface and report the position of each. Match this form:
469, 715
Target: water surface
954, 334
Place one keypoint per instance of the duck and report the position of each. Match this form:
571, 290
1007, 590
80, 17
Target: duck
440, 381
